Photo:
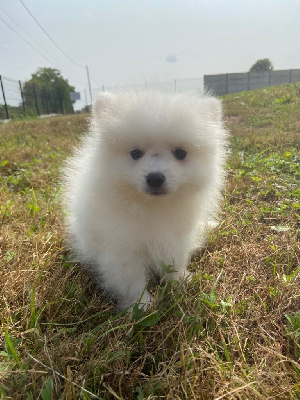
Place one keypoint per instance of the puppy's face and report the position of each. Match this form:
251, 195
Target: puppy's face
157, 169
156, 148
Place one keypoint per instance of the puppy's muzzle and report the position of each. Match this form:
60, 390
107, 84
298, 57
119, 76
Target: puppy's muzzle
155, 179
156, 183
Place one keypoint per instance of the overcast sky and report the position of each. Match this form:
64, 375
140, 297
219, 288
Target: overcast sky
131, 41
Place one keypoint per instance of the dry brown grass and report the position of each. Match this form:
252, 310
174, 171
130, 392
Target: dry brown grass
231, 333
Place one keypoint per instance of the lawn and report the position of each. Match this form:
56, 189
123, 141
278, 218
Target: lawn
232, 332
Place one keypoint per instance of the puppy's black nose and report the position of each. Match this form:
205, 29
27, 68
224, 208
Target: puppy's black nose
155, 179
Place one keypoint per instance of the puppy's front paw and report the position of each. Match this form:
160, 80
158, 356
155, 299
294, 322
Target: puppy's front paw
144, 301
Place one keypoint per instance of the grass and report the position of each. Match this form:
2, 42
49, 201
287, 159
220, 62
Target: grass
231, 333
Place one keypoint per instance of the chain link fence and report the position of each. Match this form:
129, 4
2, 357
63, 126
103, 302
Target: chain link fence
18, 100
189, 85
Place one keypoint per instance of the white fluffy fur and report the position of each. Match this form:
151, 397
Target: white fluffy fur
115, 224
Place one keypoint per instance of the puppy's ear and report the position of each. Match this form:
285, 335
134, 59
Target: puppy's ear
103, 104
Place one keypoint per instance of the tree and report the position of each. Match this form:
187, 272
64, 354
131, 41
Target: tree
52, 89
262, 65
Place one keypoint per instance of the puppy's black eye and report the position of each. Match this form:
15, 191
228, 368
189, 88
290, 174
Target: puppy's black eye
180, 154
136, 154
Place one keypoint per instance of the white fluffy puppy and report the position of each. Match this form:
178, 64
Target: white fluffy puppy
143, 186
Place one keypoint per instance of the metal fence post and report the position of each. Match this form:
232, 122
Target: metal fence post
22, 97
61, 101
4, 99
227, 83
54, 100
36, 100
46, 99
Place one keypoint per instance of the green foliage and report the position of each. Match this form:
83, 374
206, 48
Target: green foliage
10, 347
294, 324
53, 91
141, 319
262, 65
47, 390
